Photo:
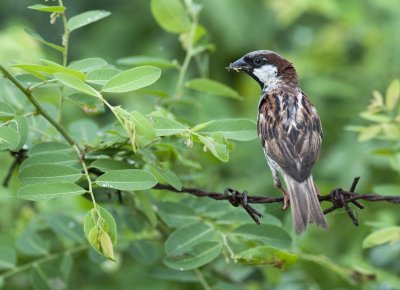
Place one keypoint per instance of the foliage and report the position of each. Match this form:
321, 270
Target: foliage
90, 138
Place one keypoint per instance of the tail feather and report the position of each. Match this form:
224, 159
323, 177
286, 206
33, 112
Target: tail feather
304, 204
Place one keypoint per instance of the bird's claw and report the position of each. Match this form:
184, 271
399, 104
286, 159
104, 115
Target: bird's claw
286, 202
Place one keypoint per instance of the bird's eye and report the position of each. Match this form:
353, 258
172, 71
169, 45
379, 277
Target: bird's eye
258, 61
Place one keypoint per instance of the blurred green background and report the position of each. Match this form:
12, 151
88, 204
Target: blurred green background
342, 50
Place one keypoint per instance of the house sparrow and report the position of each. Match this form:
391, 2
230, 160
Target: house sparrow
290, 132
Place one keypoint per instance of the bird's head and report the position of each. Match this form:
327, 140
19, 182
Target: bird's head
267, 67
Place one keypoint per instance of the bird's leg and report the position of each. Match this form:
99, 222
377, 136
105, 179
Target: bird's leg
278, 185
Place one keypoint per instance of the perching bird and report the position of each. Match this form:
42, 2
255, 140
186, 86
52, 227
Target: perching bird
290, 132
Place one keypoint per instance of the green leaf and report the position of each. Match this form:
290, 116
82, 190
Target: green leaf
9, 138
106, 221
88, 64
387, 189
127, 122
350, 275
86, 18
30, 243
369, 132
49, 173
8, 258
382, 236
235, 129
65, 226
147, 60
143, 126
76, 83
176, 214
7, 112
167, 127
171, 15
166, 175
145, 252
101, 231
66, 266
38, 279
199, 255
110, 164
88, 104
49, 69
47, 191
41, 40
46, 8
127, 179
212, 87
50, 147
267, 234
144, 204
58, 158
101, 76
84, 131
217, 146
133, 79
20, 124
375, 117
185, 237
266, 255
192, 246
393, 95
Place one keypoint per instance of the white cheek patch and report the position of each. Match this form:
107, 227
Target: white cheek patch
266, 74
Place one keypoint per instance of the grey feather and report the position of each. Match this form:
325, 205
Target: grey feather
304, 204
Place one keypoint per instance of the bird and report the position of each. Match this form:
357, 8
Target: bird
290, 132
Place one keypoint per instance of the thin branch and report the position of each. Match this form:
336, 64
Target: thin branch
36, 104
338, 197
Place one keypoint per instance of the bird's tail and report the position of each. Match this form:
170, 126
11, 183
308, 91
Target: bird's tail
304, 204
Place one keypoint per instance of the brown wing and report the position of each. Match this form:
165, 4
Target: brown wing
290, 132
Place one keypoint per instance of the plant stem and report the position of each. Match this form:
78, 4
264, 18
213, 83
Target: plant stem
42, 261
202, 280
89, 180
36, 104
65, 37
65, 42
186, 62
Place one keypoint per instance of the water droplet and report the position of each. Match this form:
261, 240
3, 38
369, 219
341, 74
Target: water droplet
180, 269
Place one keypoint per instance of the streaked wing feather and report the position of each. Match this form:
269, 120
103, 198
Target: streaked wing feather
294, 147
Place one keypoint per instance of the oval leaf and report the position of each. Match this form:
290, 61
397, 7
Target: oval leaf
171, 15
167, 127
192, 246
267, 234
382, 236
101, 76
76, 83
49, 173
127, 179
109, 164
88, 64
47, 191
86, 18
147, 60
265, 255
133, 79
9, 138
8, 258
212, 87
235, 129
20, 124
7, 112
175, 214
47, 8
200, 255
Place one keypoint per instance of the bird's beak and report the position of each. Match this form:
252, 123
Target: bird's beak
239, 65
